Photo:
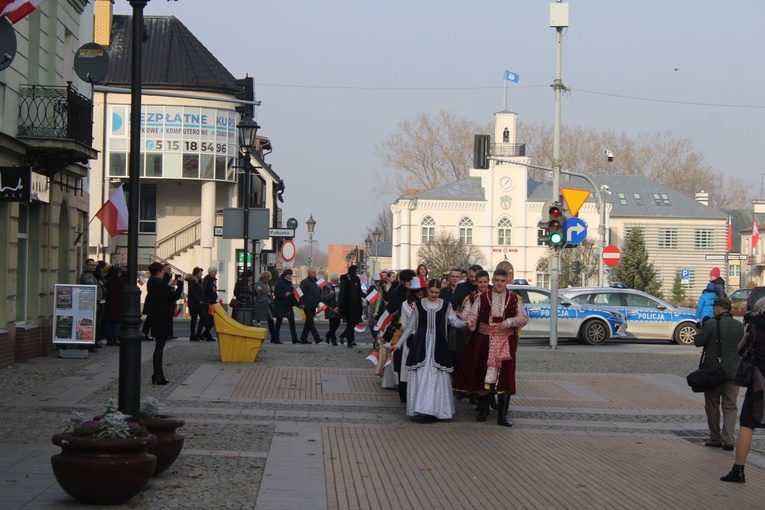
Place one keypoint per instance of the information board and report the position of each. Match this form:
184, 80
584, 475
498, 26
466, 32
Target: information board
74, 314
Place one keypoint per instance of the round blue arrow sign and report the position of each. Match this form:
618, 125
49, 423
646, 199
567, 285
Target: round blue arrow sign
574, 230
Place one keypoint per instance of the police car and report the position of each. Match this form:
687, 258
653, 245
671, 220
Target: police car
648, 318
589, 324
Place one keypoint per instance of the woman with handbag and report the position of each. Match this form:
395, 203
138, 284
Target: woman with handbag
753, 409
720, 336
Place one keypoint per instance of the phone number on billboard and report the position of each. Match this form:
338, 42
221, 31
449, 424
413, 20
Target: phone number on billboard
186, 146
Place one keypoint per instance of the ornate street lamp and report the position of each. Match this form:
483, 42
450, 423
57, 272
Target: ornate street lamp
310, 225
376, 235
368, 244
247, 129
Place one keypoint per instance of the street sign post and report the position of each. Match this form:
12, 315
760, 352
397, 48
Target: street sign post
288, 251
611, 255
574, 230
281, 232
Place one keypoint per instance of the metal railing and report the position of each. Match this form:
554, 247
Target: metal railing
55, 112
184, 238
508, 150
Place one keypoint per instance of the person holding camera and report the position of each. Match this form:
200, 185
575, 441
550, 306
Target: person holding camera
720, 337
160, 303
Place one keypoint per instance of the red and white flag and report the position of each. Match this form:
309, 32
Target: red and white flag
755, 233
373, 296
141, 280
114, 213
383, 321
374, 357
359, 328
322, 308
178, 309
321, 282
388, 361
298, 293
729, 241
16, 10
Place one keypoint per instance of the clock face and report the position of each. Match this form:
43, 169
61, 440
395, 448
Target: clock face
506, 183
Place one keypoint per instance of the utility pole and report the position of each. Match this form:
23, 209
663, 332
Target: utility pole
559, 21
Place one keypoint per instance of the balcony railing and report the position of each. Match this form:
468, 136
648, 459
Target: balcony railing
508, 150
55, 112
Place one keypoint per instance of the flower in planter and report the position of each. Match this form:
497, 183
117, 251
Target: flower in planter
151, 407
112, 425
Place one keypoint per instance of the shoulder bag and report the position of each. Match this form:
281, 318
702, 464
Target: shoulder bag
745, 372
707, 379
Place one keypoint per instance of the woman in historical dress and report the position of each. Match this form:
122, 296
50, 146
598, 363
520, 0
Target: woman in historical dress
429, 390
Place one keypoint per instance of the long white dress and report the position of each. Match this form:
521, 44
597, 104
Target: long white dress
429, 390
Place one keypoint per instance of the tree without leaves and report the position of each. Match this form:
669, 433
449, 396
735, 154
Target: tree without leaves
384, 222
659, 156
320, 257
445, 252
427, 152
634, 269
586, 253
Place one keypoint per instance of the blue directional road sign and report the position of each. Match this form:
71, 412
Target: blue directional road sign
574, 230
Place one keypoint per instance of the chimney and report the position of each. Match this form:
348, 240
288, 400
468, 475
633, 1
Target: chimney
702, 197
102, 23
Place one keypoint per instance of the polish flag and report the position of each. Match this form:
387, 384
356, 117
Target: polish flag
321, 282
729, 242
141, 280
322, 308
114, 213
178, 309
388, 361
755, 233
383, 321
374, 357
298, 293
372, 297
359, 328
16, 10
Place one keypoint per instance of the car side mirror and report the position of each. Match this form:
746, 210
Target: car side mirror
565, 303
661, 307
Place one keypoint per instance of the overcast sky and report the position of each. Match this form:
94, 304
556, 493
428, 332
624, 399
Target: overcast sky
336, 77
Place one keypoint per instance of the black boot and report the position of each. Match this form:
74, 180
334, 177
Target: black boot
736, 475
402, 391
483, 406
503, 404
493, 402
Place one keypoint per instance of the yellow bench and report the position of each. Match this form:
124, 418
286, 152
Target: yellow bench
237, 342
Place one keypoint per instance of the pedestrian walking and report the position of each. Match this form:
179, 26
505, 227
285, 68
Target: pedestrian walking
351, 306
310, 300
284, 300
429, 391
720, 337
210, 286
264, 295
197, 305
329, 295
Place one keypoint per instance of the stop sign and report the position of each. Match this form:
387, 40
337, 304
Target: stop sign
611, 255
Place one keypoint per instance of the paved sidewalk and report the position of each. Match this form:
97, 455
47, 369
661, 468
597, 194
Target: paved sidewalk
308, 426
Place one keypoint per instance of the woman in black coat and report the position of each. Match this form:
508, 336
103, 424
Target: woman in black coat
284, 300
160, 304
351, 306
197, 304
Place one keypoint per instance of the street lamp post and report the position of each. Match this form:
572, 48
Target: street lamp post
376, 236
310, 225
247, 130
368, 252
609, 158
129, 385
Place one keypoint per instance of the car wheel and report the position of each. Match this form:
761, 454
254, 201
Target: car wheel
684, 334
594, 332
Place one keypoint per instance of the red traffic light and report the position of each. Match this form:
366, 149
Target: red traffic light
555, 212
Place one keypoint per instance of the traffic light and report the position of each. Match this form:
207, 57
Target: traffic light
576, 267
555, 226
246, 92
481, 144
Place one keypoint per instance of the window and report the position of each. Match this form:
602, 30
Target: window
702, 239
428, 229
466, 231
734, 271
147, 219
504, 232
536, 297
542, 275
638, 200
622, 198
118, 164
641, 301
668, 238
661, 199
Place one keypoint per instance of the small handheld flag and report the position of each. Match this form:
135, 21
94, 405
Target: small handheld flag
321, 282
298, 293
372, 297
374, 357
359, 328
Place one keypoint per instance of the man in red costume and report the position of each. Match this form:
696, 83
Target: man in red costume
490, 362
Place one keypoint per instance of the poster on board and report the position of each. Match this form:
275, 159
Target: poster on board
74, 314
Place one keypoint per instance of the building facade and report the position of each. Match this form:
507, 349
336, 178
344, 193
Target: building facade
45, 145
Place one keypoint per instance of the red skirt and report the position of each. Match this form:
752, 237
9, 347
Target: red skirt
471, 375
